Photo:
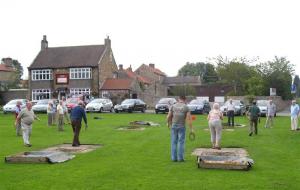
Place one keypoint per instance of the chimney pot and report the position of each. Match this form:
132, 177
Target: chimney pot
120, 67
152, 65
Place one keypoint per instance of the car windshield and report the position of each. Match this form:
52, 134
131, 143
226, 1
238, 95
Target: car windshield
128, 101
262, 102
166, 101
43, 102
72, 100
98, 101
234, 102
196, 102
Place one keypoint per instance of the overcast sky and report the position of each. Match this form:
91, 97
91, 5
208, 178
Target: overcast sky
166, 33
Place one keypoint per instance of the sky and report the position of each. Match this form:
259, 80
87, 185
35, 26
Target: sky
168, 33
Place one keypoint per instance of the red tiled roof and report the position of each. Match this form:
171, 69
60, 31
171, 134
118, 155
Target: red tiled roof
5, 68
154, 70
133, 75
73, 56
117, 84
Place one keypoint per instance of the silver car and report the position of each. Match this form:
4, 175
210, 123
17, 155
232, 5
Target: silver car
41, 105
99, 105
11, 105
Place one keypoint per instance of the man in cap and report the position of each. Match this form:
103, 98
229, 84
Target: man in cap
253, 114
294, 115
77, 114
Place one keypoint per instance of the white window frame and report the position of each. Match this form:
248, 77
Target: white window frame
36, 92
77, 91
81, 73
42, 74
105, 94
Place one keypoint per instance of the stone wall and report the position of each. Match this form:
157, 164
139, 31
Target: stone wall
280, 104
14, 94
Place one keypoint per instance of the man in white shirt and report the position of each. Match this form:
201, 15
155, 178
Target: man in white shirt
230, 113
60, 112
271, 110
294, 115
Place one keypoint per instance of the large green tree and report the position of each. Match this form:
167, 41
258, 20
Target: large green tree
236, 72
277, 74
206, 71
15, 83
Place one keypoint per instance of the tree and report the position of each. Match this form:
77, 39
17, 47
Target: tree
277, 74
206, 71
236, 72
297, 84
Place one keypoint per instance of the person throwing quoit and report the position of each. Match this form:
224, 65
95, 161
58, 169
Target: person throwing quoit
77, 114
214, 118
177, 116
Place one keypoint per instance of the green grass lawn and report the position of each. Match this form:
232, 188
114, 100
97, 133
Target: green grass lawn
141, 159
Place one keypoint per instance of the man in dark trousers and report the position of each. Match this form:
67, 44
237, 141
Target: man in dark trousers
253, 114
230, 113
77, 114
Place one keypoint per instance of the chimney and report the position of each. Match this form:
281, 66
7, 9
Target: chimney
120, 67
152, 65
8, 62
44, 43
130, 68
107, 42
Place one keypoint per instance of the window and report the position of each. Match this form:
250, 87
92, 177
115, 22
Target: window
76, 91
80, 73
45, 74
38, 94
105, 94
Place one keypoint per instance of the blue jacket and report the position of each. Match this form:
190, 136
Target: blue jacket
78, 113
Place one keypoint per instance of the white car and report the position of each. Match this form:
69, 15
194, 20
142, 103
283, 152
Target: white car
99, 105
262, 105
41, 105
11, 105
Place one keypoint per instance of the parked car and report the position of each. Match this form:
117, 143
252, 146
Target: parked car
41, 105
239, 107
99, 105
262, 105
163, 105
11, 105
199, 106
131, 105
71, 103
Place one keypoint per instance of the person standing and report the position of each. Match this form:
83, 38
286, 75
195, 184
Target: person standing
253, 113
177, 116
60, 113
18, 125
294, 115
50, 113
26, 118
77, 113
215, 118
271, 110
66, 115
230, 113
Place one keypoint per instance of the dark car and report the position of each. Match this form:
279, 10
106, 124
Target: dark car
130, 105
199, 106
164, 104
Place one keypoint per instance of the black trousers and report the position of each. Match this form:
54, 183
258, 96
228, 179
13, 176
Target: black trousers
230, 115
76, 125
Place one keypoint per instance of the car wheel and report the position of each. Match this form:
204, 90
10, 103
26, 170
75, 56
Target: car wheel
129, 110
101, 110
111, 110
143, 110
116, 111
156, 112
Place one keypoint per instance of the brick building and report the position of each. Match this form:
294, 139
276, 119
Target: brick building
67, 71
7, 73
